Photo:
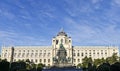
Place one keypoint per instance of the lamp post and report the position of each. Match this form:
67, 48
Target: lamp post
11, 58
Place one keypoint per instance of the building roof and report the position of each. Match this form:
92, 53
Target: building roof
61, 33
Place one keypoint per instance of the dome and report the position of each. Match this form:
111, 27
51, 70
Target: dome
61, 33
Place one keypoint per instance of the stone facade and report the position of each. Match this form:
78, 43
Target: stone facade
47, 54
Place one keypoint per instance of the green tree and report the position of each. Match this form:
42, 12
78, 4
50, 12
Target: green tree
119, 59
33, 65
104, 67
79, 65
112, 59
28, 67
97, 62
4, 65
115, 67
103, 60
85, 62
40, 66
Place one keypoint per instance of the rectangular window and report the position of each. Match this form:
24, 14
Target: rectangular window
78, 54
48, 60
74, 60
36, 60
78, 60
36, 54
23, 54
14, 60
27, 55
31, 54
40, 60
19, 54
31, 60
82, 54
73, 54
44, 55
14, 54
56, 41
48, 54
40, 54
44, 60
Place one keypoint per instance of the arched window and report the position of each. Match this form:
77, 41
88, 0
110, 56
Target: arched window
56, 41
61, 40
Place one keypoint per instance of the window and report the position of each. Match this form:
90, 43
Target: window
48, 64
44, 60
40, 54
74, 60
14, 54
53, 41
5, 54
69, 41
44, 54
78, 54
23, 54
36, 60
40, 60
101, 50
105, 52
61, 40
19, 54
36, 54
78, 60
48, 54
48, 60
82, 54
40, 50
31, 54
89, 50
27, 55
19, 50
56, 41
113, 49
36, 50
73, 54
31, 60
14, 60
44, 50
90, 55
65, 40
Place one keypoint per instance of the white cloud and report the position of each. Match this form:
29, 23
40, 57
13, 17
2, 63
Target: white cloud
14, 38
117, 1
87, 34
7, 14
76, 8
95, 1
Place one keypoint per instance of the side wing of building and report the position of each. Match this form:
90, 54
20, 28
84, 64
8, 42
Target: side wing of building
36, 54
79, 52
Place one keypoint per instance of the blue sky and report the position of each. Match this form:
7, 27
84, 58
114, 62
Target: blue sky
35, 22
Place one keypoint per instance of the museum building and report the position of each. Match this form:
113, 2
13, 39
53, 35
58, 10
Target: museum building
61, 51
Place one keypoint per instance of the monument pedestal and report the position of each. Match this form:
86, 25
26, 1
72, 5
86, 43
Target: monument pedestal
61, 65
